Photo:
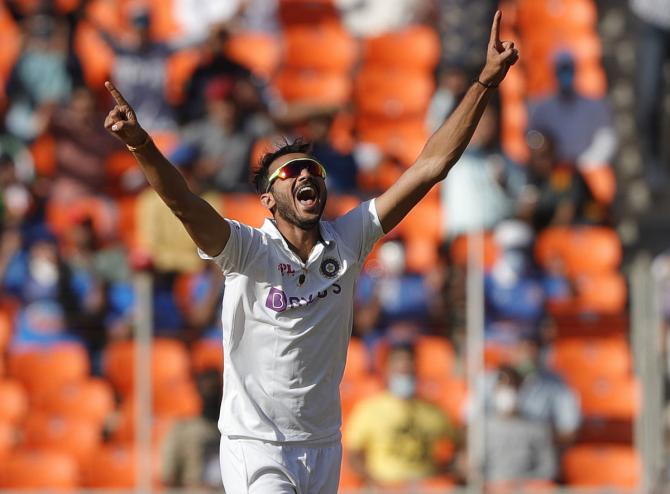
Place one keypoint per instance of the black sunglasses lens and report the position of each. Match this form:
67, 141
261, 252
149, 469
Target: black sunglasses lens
294, 169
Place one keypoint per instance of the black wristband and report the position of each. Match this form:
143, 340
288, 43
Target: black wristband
487, 86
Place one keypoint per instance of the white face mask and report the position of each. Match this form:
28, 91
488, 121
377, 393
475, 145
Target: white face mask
402, 385
43, 271
504, 400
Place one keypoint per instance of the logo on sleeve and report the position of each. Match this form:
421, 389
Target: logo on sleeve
330, 267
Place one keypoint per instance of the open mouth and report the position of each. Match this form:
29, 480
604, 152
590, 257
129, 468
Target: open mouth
307, 196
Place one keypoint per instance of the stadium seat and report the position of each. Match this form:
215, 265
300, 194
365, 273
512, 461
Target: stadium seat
349, 479
421, 255
207, 354
415, 48
13, 402
307, 11
308, 86
321, 47
39, 470
43, 151
358, 362
180, 68
6, 329
402, 144
178, 399
259, 52
459, 250
245, 208
604, 430
124, 431
424, 222
434, 357
450, 394
392, 93
10, 40
607, 357
613, 398
88, 400
75, 437
111, 467
602, 293
170, 363
64, 214
96, 57
340, 205
525, 486
602, 466
44, 369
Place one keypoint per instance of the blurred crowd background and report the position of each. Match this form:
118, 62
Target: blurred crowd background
563, 176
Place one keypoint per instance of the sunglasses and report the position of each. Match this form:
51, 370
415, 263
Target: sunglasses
293, 168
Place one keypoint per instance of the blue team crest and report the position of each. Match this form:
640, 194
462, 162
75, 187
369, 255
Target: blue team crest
330, 267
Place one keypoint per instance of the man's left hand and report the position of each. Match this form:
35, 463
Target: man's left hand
500, 56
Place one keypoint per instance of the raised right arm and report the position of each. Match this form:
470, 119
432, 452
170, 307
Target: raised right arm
207, 228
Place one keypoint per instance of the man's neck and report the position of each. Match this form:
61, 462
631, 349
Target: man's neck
300, 241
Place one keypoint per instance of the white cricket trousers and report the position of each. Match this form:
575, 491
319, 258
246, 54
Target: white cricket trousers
250, 466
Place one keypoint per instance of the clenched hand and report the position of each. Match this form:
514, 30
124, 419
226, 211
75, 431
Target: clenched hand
121, 121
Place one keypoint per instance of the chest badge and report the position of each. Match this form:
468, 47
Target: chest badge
330, 267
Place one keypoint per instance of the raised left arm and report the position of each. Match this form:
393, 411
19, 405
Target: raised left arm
445, 147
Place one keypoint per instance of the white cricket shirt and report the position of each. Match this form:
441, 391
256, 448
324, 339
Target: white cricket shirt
286, 327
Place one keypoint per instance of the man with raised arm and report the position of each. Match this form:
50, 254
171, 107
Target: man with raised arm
288, 306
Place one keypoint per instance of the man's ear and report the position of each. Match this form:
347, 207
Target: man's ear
268, 201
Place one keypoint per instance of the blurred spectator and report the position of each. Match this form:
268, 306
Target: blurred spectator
140, 70
514, 292
81, 147
581, 127
42, 77
542, 395
197, 17
202, 310
518, 448
190, 453
368, 18
452, 84
390, 294
215, 65
556, 193
652, 40
223, 145
16, 198
484, 186
391, 437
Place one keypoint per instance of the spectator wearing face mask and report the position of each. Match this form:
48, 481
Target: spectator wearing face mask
390, 438
518, 448
191, 447
542, 395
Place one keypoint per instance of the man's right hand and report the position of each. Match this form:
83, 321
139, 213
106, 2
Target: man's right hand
121, 122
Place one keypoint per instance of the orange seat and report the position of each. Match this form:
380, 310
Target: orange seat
64, 214
434, 357
424, 221
602, 466
591, 357
124, 431
403, 144
421, 255
414, 48
10, 40
525, 486
340, 205
605, 293
6, 328
259, 52
601, 182
176, 400
357, 360
349, 479
111, 467
96, 57
180, 68
39, 470
615, 398
245, 208
306, 86
170, 363
392, 93
75, 437
207, 354
89, 400
42, 370
13, 402
322, 47
602, 430
43, 150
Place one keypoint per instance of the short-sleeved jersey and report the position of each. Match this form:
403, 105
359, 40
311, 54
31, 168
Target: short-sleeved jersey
286, 327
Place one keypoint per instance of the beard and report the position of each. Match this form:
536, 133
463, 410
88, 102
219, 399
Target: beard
286, 210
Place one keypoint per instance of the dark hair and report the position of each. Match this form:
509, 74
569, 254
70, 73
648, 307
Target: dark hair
508, 374
260, 177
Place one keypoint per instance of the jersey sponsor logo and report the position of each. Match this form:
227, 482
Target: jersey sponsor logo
278, 301
330, 267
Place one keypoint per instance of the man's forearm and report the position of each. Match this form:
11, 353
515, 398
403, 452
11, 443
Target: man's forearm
447, 144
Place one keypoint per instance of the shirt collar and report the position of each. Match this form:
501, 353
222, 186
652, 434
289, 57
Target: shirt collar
270, 227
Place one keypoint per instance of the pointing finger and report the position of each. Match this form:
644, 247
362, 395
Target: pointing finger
120, 100
495, 30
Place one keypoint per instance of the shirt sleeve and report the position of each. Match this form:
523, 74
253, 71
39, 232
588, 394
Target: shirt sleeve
360, 228
566, 410
546, 464
240, 251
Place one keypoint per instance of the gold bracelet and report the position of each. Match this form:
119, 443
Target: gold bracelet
134, 149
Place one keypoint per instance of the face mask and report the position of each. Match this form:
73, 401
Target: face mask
504, 400
402, 385
43, 271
